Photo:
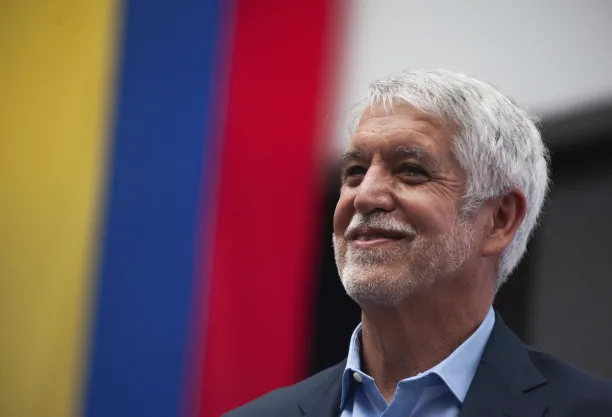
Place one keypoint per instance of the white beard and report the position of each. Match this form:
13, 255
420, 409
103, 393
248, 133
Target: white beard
369, 275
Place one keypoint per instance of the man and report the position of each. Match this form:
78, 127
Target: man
442, 185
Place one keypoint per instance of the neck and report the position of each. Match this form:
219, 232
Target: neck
403, 341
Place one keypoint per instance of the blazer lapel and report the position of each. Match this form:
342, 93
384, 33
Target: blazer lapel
324, 400
505, 379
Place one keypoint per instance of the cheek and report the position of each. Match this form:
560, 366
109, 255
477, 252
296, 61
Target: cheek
343, 213
430, 215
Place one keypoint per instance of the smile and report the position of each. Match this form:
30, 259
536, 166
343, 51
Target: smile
366, 237
365, 242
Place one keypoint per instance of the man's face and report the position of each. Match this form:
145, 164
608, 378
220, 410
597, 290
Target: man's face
396, 224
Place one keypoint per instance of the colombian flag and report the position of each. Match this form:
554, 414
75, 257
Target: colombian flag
160, 168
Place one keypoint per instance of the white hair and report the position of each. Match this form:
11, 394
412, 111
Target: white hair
497, 143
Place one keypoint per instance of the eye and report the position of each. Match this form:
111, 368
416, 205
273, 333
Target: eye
414, 173
353, 174
354, 170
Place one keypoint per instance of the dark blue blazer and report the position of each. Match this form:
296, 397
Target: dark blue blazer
511, 380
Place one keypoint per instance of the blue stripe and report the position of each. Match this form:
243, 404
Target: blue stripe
146, 277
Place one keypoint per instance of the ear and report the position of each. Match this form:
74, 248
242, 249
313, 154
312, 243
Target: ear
505, 215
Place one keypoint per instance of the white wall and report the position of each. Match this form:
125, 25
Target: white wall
551, 56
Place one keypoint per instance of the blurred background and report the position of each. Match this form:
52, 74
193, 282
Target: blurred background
169, 170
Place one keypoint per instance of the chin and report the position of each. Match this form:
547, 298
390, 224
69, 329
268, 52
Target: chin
376, 285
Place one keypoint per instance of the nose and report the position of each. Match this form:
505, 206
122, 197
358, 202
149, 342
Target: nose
375, 192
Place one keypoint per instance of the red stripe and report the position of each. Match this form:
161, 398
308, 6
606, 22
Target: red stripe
260, 299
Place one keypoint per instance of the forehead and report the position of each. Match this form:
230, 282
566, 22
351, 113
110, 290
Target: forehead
402, 125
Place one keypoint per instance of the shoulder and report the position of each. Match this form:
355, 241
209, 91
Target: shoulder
284, 401
575, 389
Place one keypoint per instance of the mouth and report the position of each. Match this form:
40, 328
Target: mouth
367, 237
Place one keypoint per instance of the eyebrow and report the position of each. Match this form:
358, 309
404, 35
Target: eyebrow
421, 154
351, 156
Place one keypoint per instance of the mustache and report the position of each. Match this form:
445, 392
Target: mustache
379, 220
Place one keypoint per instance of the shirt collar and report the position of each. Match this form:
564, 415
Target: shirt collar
457, 370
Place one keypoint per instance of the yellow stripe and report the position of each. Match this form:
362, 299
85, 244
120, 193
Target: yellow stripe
56, 62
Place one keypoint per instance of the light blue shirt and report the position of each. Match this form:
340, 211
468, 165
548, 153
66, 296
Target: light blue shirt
437, 392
